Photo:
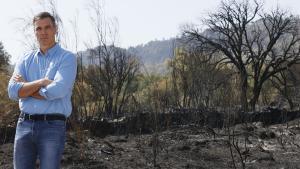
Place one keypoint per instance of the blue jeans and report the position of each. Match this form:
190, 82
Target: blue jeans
43, 140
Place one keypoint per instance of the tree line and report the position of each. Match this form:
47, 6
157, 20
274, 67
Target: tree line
241, 58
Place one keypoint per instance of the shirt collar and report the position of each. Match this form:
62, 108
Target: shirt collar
50, 51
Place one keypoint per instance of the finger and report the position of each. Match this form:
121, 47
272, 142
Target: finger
18, 76
18, 79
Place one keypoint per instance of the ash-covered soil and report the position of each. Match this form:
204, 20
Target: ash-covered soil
258, 146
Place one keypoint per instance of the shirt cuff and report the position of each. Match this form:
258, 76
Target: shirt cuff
43, 92
18, 86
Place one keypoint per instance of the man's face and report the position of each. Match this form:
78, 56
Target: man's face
45, 32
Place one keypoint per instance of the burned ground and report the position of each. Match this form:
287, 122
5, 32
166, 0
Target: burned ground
182, 146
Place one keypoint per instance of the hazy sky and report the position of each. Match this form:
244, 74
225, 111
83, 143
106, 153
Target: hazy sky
139, 21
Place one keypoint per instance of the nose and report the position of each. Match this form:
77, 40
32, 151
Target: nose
43, 31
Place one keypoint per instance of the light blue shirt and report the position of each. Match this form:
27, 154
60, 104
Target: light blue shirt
58, 65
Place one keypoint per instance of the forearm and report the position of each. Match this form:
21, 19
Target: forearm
37, 95
63, 80
29, 88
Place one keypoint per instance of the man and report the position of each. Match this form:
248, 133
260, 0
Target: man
42, 82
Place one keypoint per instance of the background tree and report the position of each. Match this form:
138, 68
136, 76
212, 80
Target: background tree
112, 71
5, 103
4, 58
112, 79
258, 45
197, 78
286, 82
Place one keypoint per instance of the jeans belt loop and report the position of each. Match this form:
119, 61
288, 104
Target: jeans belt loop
45, 117
22, 115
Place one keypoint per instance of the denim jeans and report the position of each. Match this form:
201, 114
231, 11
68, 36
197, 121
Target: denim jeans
43, 140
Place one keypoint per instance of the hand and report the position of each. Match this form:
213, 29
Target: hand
46, 81
37, 95
18, 78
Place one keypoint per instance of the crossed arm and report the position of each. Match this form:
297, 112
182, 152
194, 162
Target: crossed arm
59, 86
31, 89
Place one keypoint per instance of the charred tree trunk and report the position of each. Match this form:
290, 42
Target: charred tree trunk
244, 88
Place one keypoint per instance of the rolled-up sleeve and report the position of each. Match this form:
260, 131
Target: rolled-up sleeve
63, 81
14, 87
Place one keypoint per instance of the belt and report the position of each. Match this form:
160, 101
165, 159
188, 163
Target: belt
42, 117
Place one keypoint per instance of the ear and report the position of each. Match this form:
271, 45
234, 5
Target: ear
56, 29
56, 32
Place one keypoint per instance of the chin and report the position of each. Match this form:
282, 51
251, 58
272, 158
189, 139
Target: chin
44, 43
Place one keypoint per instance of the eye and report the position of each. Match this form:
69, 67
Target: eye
38, 29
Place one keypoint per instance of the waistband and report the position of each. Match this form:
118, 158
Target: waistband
42, 117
